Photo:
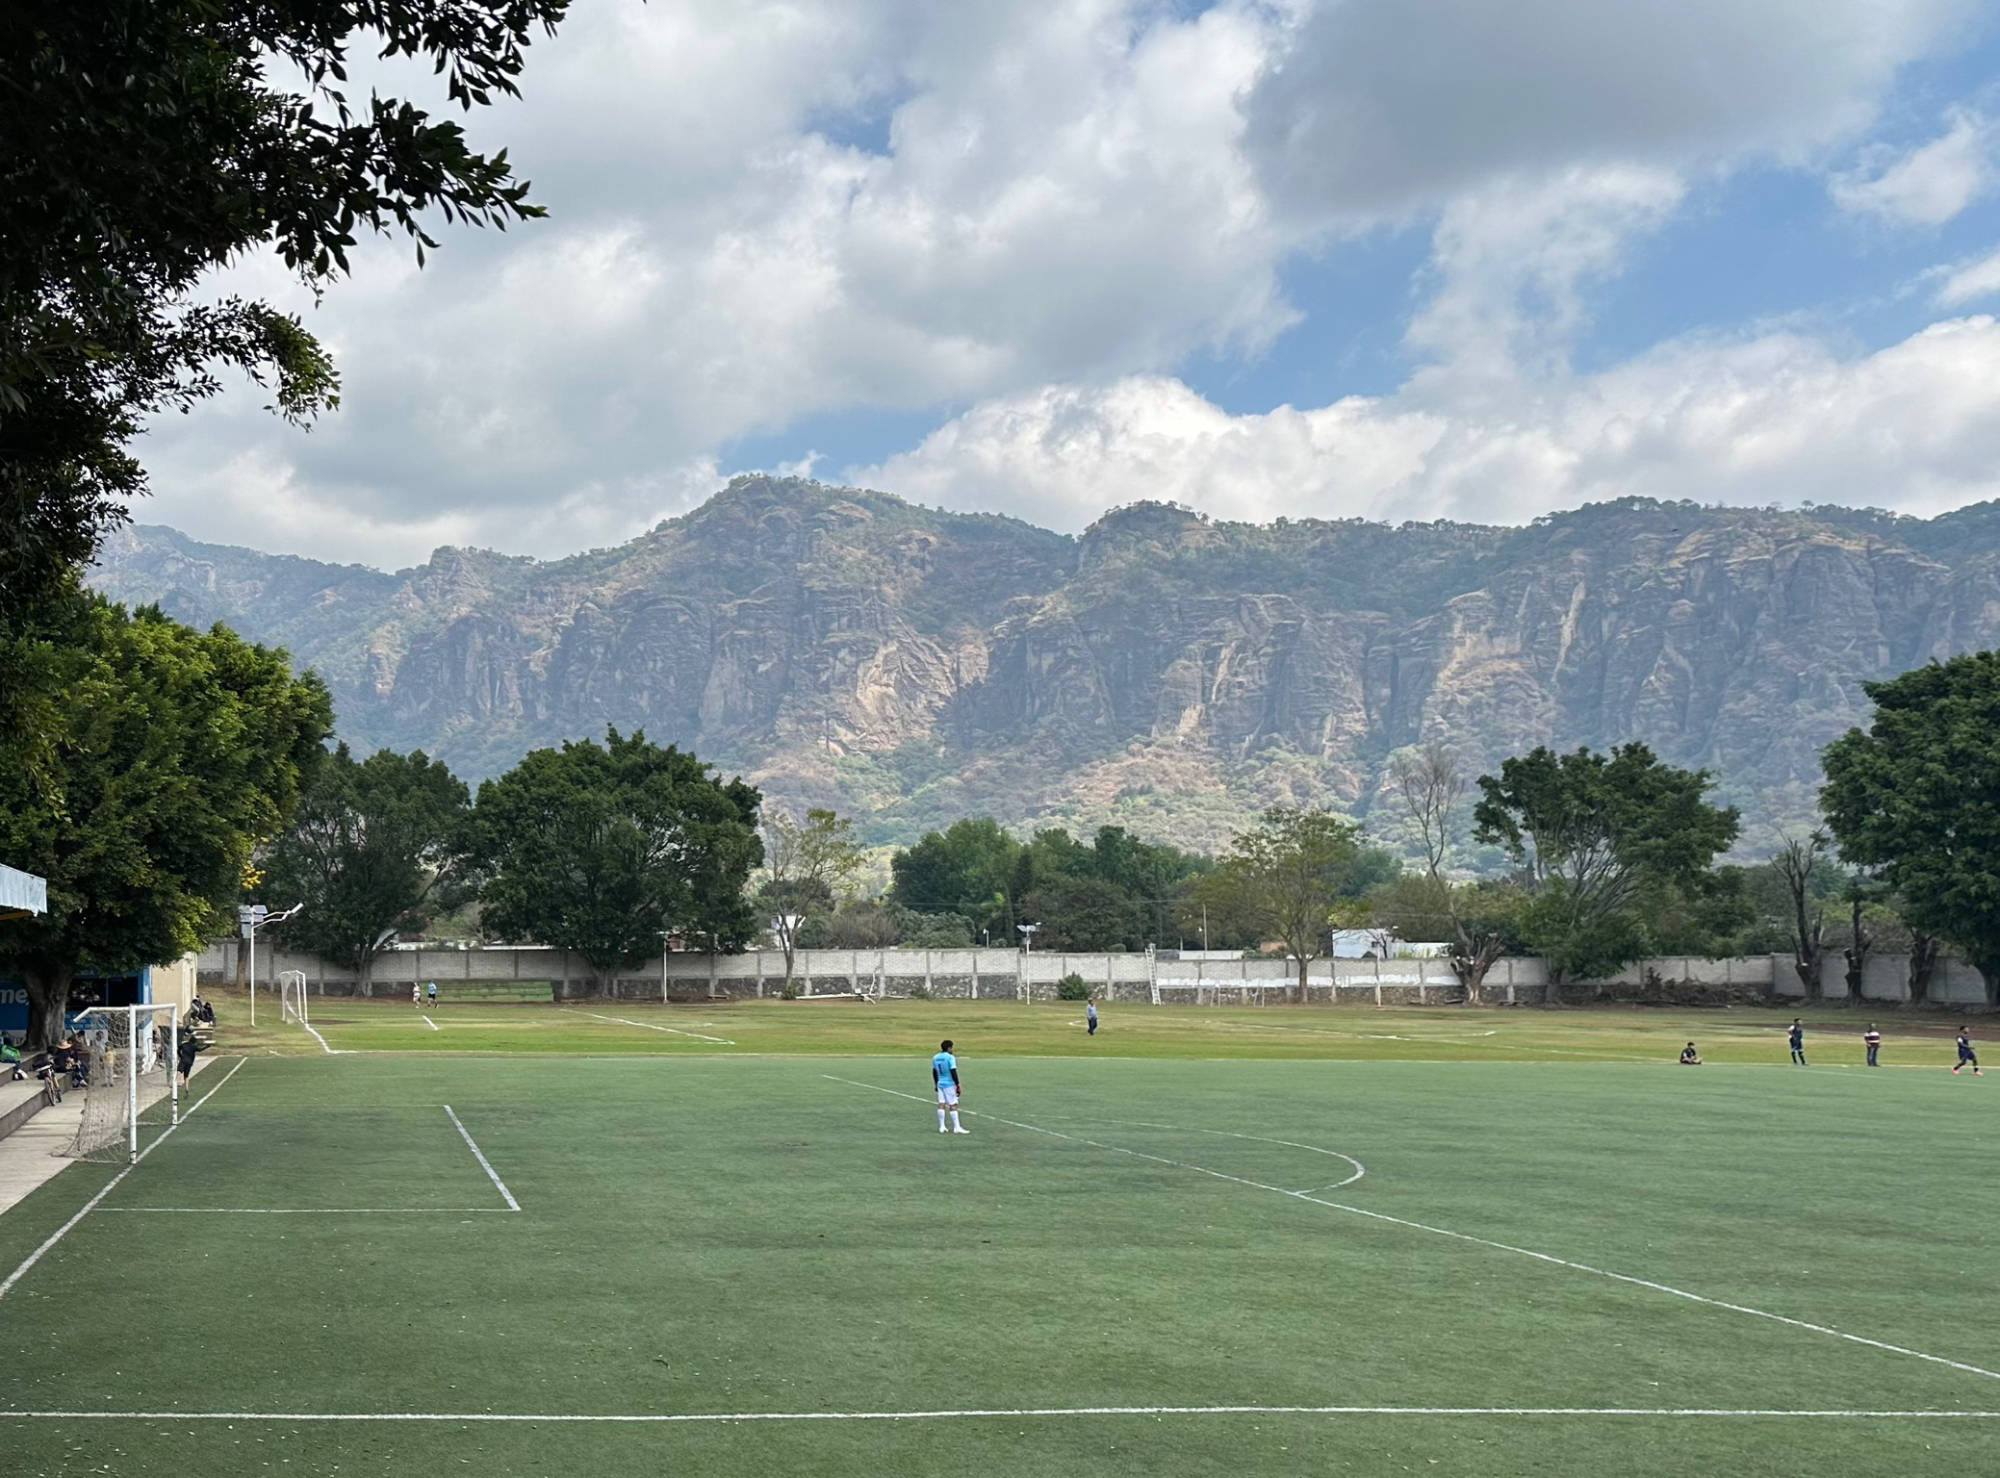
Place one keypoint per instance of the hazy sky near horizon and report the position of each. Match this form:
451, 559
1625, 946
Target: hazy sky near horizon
1400, 259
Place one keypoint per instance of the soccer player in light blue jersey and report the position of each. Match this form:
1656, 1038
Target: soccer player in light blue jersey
945, 1078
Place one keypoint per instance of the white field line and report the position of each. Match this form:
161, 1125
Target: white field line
330, 1050
316, 1210
111, 1185
717, 1418
676, 1031
1419, 1226
484, 1163
1290, 1144
431, 1024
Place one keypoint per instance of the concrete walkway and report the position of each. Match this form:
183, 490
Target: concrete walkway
33, 1154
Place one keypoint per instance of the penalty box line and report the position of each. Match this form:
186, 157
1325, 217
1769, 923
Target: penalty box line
1419, 1226
111, 1185
722, 1418
670, 1030
484, 1163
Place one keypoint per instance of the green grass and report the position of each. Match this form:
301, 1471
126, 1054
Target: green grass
730, 1228
1008, 1028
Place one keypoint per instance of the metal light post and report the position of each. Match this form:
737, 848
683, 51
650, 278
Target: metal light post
248, 917
1027, 947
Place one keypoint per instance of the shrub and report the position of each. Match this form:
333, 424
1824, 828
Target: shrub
1072, 987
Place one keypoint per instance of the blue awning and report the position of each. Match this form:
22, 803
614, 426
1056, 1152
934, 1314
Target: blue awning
21, 892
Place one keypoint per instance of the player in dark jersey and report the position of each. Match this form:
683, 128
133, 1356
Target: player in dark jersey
1797, 1037
1966, 1056
1690, 1057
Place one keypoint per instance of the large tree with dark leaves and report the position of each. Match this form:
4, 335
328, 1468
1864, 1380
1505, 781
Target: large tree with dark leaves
144, 143
168, 756
378, 845
1916, 799
1599, 838
602, 848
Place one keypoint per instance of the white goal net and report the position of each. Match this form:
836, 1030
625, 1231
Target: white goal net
292, 993
128, 1066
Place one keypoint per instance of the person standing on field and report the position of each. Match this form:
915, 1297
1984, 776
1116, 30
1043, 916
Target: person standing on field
945, 1078
416, 995
1090, 1016
431, 990
1872, 1040
1966, 1056
1797, 1036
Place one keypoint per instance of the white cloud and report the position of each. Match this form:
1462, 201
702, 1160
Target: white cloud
1511, 261
1063, 193
1930, 184
763, 211
1915, 426
1970, 282
1379, 107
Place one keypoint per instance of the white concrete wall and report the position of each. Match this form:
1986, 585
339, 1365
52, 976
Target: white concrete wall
1011, 974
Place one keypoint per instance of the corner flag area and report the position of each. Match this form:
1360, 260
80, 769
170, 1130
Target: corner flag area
731, 1242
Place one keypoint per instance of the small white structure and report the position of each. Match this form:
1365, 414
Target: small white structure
21, 893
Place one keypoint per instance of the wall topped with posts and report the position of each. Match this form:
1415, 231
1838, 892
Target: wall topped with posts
1011, 974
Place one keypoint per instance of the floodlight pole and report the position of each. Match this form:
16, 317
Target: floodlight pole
1027, 947
251, 919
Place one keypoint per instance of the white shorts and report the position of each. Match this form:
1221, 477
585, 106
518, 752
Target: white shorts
948, 1095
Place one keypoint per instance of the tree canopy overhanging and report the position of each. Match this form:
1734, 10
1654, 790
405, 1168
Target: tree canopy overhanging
145, 143
169, 755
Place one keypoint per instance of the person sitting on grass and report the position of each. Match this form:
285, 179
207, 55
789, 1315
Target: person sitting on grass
1690, 1057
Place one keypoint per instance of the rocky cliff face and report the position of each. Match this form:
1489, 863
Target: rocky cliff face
1164, 671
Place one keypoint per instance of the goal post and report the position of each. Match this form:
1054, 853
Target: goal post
129, 1065
292, 996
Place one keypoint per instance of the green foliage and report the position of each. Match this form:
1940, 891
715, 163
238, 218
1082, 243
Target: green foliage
1112, 892
965, 869
808, 864
1084, 913
159, 758
1426, 909
377, 846
932, 930
1286, 878
144, 143
1072, 987
1596, 835
1916, 798
602, 848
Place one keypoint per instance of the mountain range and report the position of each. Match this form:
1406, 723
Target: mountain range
1162, 670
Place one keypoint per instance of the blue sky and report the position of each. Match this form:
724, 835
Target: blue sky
1398, 258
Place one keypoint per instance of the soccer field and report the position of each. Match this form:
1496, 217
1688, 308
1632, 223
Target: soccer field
715, 1262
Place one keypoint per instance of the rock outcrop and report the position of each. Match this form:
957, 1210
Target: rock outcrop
1162, 670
